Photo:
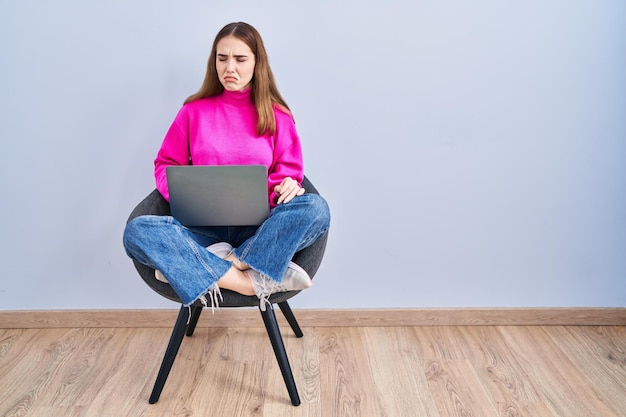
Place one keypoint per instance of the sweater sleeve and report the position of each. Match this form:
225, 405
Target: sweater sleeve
287, 161
174, 151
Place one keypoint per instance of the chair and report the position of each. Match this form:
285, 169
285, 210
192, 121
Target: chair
308, 258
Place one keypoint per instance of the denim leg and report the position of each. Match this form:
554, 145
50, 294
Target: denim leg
291, 227
162, 243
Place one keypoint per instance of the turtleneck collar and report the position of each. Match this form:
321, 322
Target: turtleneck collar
237, 98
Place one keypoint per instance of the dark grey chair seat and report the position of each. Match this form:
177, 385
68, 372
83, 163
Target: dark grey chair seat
309, 258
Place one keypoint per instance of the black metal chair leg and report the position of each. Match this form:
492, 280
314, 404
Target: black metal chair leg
170, 354
195, 316
273, 331
291, 319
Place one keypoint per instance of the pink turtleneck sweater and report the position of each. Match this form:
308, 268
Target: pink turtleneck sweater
222, 130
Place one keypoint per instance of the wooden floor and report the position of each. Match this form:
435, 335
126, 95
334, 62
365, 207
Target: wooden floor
511, 371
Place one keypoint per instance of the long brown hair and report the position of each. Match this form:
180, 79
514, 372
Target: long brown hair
265, 94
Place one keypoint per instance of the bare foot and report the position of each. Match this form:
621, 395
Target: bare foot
236, 280
242, 266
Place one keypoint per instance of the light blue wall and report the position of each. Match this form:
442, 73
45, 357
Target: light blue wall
473, 153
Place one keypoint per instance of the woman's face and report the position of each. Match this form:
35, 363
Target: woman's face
234, 63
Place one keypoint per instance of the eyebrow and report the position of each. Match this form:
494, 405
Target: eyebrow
236, 56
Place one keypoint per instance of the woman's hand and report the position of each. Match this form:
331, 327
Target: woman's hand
287, 190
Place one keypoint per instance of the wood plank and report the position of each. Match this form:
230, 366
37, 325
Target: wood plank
347, 386
60, 368
456, 388
507, 371
124, 370
249, 317
599, 354
554, 375
501, 374
401, 385
304, 358
221, 370
20, 376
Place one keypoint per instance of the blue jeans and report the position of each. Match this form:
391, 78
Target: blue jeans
179, 252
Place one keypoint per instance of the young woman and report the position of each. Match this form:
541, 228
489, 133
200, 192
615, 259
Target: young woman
238, 117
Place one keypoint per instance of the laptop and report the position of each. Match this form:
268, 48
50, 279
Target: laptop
218, 195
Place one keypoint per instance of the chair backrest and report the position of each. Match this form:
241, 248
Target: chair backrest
309, 258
